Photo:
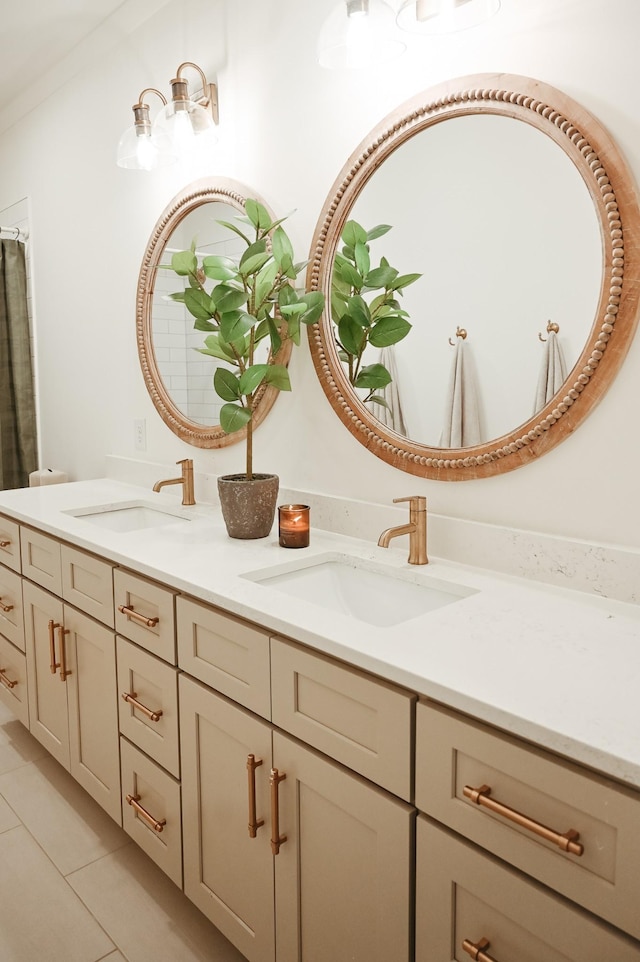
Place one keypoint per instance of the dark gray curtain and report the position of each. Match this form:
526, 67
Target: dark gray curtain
18, 449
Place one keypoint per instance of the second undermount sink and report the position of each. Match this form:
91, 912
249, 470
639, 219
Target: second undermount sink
132, 516
365, 591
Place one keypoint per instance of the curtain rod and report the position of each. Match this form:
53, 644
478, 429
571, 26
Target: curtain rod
15, 230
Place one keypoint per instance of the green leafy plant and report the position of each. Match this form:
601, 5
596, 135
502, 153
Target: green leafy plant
252, 298
365, 308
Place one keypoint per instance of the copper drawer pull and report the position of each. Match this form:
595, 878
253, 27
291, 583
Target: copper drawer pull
131, 698
133, 615
53, 664
254, 823
64, 671
4, 544
5, 681
156, 825
5, 608
276, 838
568, 841
477, 950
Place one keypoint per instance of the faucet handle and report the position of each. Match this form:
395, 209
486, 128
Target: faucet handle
418, 501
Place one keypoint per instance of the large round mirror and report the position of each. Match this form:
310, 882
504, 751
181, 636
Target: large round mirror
478, 251
178, 376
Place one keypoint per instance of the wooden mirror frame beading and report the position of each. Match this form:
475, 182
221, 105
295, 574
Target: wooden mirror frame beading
612, 190
200, 192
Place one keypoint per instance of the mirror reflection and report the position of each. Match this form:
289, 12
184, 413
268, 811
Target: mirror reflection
186, 373
499, 222
520, 206
177, 375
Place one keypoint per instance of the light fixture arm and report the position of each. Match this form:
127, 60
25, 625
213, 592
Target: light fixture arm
142, 119
180, 90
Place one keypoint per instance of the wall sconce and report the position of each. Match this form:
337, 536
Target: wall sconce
358, 33
180, 125
444, 16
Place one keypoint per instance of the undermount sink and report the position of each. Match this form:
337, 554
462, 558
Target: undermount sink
132, 516
365, 591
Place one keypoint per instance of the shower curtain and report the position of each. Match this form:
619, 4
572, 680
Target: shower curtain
18, 449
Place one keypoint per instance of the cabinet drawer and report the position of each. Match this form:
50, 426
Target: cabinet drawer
87, 582
13, 681
145, 613
225, 653
452, 752
153, 684
41, 559
364, 723
10, 543
11, 612
157, 794
464, 894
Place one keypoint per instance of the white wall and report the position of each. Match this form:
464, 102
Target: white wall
286, 129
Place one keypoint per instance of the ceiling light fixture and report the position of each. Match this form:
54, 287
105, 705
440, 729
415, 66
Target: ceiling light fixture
444, 16
357, 34
180, 126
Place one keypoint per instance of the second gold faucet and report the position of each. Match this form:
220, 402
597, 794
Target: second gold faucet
416, 528
186, 480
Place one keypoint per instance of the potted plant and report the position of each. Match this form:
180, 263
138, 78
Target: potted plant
252, 299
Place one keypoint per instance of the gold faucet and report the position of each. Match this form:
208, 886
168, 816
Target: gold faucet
416, 529
186, 480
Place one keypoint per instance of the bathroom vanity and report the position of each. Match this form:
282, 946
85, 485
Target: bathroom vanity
384, 784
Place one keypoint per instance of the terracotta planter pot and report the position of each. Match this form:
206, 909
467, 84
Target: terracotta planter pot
248, 506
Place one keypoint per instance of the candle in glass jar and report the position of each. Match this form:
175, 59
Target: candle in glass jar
293, 525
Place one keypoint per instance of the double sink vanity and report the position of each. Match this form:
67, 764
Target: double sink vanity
337, 755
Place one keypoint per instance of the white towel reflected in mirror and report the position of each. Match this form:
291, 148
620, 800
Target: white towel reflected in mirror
392, 415
552, 372
461, 416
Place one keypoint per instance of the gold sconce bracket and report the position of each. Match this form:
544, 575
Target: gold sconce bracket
209, 98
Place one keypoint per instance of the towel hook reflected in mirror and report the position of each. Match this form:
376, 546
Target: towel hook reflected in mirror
552, 328
460, 332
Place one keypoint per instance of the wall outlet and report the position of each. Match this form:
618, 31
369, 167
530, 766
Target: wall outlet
140, 434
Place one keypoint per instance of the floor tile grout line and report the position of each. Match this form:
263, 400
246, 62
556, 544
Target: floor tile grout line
114, 944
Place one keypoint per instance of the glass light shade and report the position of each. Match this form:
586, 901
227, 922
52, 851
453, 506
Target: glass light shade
444, 16
357, 34
187, 126
140, 149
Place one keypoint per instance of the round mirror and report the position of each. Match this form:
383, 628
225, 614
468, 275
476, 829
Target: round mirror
482, 282
178, 376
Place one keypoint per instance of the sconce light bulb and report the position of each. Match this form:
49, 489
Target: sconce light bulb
146, 153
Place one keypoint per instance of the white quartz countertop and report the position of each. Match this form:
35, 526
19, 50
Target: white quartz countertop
559, 668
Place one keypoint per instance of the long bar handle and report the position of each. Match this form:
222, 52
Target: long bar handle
131, 697
156, 825
276, 838
5, 608
477, 950
567, 841
64, 671
134, 615
5, 681
4, 544
254, 823
53, 664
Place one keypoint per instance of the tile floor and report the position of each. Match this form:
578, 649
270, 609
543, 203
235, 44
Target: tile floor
73, 886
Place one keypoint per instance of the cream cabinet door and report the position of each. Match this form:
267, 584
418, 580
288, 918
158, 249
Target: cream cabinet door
48, 720
343, 870
71, 684
228, 873
471, 905
93, 709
